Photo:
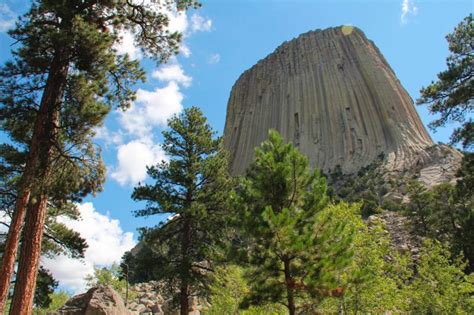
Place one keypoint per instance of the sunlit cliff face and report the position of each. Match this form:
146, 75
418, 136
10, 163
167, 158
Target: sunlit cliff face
333, 95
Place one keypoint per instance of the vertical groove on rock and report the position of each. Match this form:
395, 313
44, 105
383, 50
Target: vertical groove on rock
332, 94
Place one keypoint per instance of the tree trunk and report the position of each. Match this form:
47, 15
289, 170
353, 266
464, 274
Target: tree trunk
289, 288
37, 171
184, 298
11, 245
185, 266
29, 258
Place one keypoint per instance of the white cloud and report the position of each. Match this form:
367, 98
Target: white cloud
408, 8
7, 17
4, 219
172, 72
127, 46
133, 158
109, 137
184, 50
178, 21
214, 58
151, 109
107, 243
200, 24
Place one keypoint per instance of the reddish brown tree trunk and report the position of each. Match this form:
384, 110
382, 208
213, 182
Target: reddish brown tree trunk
11, 245
37, 169
25, 283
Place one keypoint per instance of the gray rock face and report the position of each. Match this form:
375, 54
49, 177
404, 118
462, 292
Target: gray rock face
100, 300
334, 96
400, 231
150, 298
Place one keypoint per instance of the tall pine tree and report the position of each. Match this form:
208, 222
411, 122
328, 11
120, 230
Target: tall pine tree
293, 245
195, 186
452, 95
63, 79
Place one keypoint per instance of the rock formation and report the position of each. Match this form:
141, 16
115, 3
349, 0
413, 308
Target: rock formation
144, 298
334, 96
100, 300
150, 298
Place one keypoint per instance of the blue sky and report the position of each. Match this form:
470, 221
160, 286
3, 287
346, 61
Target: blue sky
222, 39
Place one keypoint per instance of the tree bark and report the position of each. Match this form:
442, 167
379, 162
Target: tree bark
185, 266
11, 245
37, 171
25, 283
289, 288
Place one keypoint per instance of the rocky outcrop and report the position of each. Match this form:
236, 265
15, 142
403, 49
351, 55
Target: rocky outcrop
144, 298
400, 232
100, 300
148, 298
334, 96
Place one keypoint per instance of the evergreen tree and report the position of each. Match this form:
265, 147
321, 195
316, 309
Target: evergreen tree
45, 286
59, 239
195, 186
419, 207
464, 197
64, 78
452, 96
294, 246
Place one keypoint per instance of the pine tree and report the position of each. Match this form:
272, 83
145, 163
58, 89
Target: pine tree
45, 286
452, 96
464, 200
195, 186
59, 239
419, 207
293, 246
64, 78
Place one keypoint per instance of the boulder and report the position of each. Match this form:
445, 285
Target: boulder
99, 300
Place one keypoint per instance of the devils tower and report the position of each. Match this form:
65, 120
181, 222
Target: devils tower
334, 96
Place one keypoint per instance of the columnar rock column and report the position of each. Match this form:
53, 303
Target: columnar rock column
332, 94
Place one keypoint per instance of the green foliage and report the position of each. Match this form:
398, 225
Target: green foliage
227, 291
419, 207
452, 96
59, 239
373, 280
195, 186
294, 245
440, 285
58, 299
45, 286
